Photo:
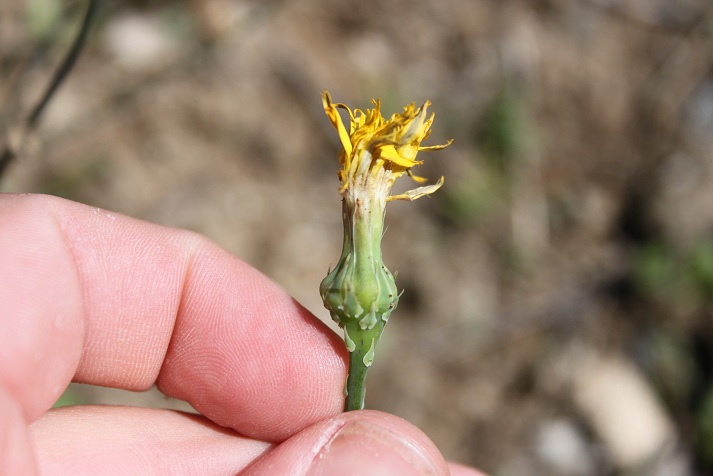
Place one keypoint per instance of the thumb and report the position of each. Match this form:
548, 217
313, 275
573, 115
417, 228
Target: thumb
355, 443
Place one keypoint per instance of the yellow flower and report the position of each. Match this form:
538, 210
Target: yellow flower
377, 151
360, 292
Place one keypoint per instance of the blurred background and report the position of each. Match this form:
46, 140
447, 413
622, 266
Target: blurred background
558, 291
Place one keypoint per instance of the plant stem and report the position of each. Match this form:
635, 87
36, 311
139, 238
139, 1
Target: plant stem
360, 359
356, 383
10, 152
67, 64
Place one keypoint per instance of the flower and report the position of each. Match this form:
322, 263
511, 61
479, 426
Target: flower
376, 152
360, 292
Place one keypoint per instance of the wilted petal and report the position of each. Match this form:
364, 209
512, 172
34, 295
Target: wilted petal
419, 192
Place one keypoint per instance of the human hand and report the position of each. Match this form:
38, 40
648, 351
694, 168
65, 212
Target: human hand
95, 297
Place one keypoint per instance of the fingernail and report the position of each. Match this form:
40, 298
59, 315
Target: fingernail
361, 448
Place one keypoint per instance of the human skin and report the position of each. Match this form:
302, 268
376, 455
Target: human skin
96, 297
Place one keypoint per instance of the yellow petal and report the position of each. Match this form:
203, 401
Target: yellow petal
417, 124
388, 152
436, 147
416, 177
336, 120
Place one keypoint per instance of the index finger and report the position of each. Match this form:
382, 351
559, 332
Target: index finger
108, 300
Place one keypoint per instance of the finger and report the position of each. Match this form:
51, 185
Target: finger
354, 443
41, 308
15, 450
123, 303
457, 469
129, 440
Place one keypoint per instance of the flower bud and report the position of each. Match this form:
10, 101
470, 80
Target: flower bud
360, 292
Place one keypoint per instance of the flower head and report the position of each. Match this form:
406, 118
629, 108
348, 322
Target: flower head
377, 151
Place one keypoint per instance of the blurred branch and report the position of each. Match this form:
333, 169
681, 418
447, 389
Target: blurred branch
12, 147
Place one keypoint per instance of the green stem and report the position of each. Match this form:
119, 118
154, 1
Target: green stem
356, 383
360, 359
